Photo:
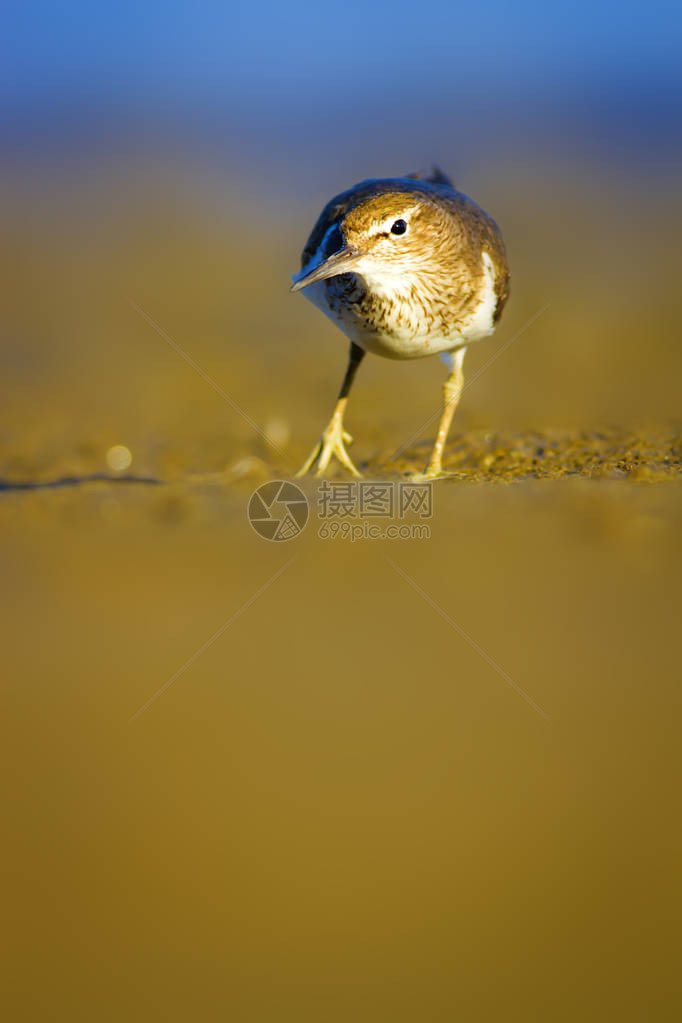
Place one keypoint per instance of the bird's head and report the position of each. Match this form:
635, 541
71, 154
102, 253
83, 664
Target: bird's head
384, 239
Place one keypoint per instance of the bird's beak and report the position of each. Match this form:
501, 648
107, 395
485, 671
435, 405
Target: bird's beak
342, 262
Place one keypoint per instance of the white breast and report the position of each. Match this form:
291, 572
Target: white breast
407, 334
482, 323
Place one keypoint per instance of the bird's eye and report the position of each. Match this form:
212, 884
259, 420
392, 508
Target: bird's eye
398, 227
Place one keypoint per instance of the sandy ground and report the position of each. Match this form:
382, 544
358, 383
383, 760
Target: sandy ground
336, 779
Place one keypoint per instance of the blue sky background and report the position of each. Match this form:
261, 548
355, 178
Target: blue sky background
312, 54
361, 84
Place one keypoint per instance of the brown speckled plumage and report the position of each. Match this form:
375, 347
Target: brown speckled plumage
468, 230
406, 267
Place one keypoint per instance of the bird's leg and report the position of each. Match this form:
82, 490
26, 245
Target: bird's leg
332, 440
452, 391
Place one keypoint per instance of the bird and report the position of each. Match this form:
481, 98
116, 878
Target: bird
407, 268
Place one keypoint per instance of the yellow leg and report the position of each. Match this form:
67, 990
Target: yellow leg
452, 391
331, 443
333, 440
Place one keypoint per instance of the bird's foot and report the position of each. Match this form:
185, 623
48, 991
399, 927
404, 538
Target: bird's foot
432, 472
331, 443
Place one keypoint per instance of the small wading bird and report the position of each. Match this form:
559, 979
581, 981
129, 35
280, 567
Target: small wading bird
405, 267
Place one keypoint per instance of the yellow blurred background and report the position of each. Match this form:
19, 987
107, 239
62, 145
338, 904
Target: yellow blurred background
424, 779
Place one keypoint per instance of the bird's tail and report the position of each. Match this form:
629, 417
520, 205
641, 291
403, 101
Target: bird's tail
433, 175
